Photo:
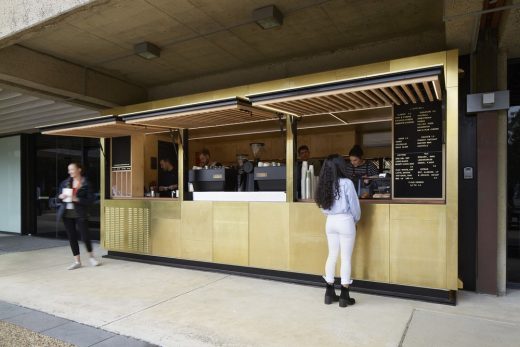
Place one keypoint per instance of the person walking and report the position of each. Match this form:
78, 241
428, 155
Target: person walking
76, 197
336, 196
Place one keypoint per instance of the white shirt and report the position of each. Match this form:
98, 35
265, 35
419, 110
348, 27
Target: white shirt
347, 202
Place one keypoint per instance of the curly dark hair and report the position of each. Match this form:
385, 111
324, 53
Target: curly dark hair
327, 191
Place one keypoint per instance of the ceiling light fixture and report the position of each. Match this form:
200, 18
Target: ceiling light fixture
268, 17
147, 50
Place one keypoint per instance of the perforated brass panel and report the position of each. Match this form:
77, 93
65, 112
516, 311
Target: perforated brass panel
231, 233
127, 228
269, 235
418, 245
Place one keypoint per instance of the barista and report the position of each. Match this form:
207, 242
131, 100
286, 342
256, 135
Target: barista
358, 168
205, 159
304, 155
169, 178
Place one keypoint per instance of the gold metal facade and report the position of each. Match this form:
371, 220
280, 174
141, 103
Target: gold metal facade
411, 244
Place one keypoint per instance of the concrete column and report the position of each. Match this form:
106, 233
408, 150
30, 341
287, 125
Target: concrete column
486, 80
502, 181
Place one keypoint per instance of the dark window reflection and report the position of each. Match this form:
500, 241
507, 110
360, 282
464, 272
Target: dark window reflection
53, 155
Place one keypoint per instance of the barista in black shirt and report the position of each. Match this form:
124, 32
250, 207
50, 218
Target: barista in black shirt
169, 179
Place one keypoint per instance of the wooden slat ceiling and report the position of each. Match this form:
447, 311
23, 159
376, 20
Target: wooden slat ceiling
220, 116
112, 128
408, 91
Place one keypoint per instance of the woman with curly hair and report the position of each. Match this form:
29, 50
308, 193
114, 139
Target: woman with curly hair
337, 198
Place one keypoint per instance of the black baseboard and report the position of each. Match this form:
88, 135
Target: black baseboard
448, 297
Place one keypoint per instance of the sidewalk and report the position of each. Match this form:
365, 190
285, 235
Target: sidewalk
178, 307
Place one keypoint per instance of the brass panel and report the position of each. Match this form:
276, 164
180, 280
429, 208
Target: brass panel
166, 228
231, 233
371, 257
308, 242
170, 209
127, 226
418, 245
289, 161
269, 235
166, 237
452, 169
418, 62
197, 230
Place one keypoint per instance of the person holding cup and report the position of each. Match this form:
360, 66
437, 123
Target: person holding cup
76, 197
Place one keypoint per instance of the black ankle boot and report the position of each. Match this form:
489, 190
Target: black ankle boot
344, 298
330, 294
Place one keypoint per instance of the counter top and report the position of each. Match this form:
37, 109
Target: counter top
390, 201
240, 196
143, 198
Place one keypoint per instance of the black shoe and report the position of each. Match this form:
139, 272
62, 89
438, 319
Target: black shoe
344, 298
330, 294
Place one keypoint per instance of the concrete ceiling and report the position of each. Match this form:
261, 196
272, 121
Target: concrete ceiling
202, 37
21, 111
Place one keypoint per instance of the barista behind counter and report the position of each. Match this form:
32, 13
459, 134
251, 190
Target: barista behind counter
304, 155
169, 179
359, 168
205, 159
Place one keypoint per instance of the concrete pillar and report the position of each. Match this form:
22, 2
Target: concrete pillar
502, 181
490, 74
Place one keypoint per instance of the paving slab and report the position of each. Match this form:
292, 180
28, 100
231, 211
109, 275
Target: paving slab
29, 243
79, 334
8, 310
239, 311
37, 321
123, 341
443, 329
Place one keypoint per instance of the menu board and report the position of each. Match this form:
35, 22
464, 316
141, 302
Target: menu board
418, 138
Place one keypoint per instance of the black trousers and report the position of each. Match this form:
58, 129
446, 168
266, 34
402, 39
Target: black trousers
73, 225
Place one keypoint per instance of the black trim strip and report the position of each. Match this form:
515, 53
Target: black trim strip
448, 297
80, 123
187, 108
325, 87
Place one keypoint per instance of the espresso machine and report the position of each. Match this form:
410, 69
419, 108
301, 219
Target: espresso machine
246, 168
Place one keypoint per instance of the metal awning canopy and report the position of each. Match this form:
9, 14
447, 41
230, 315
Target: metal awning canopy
103, 127
216, 113
336, 101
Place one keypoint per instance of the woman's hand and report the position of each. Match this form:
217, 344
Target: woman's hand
62, 196
75, 199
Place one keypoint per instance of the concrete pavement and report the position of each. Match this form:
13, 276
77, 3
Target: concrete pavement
179, 307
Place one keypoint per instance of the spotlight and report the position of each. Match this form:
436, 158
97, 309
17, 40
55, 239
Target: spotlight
147, 50
268, 17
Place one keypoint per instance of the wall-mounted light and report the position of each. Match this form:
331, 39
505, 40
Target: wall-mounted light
268, 17
147, 50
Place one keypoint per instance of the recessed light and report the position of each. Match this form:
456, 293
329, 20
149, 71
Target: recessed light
147, 50
268, 17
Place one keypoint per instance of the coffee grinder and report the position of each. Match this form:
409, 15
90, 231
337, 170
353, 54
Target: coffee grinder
246, 168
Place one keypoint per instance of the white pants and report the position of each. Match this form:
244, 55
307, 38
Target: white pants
341, 236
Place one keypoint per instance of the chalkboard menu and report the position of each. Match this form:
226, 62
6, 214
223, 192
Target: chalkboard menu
418, 164
121, 151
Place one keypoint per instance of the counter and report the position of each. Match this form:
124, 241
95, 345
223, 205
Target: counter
240, 196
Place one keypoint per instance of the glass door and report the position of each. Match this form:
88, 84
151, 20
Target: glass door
53, 155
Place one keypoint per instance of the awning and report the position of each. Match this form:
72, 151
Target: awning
224, 112
337, 99
109, 126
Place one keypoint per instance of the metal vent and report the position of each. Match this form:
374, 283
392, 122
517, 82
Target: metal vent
127, 229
